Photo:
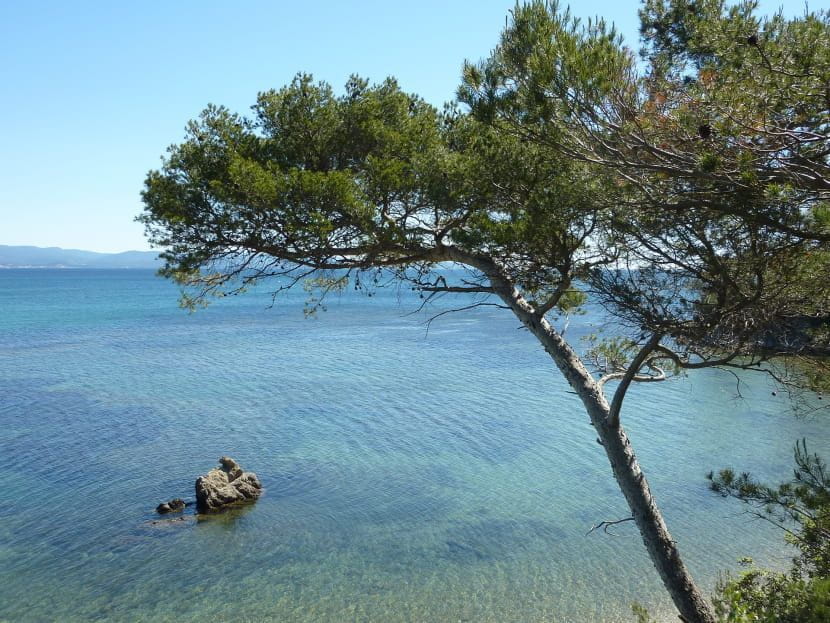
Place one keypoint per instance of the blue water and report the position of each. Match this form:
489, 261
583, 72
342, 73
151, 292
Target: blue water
411, 475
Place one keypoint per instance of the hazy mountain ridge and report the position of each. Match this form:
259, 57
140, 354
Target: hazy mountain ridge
55, 257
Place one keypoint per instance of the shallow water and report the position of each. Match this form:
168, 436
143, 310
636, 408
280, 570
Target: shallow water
445, 475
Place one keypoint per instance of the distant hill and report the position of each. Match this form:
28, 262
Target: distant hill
54, 257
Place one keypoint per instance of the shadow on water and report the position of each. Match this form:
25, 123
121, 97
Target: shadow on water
226, 518
500, 539
56, 433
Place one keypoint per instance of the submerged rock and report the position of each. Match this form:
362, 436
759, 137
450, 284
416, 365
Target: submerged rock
226, 485
175, 505
169, 522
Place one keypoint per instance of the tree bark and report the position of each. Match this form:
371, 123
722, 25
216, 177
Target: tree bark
687, 598
689, 601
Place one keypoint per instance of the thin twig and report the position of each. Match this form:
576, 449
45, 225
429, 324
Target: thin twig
605, 524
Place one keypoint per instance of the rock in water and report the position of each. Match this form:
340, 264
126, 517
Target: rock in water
173, 506
225, 485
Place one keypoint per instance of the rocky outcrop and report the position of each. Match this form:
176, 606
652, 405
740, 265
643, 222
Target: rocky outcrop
175, 505
226, 485
798, 335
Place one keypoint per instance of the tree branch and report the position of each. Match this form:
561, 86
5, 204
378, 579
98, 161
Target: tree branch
461, 309
606, 524
629, 375
554, 298
461, 289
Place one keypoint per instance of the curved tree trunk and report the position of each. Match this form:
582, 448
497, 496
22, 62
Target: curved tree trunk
687, 598
689, 601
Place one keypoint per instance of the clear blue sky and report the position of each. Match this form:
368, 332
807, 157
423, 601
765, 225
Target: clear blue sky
93, 92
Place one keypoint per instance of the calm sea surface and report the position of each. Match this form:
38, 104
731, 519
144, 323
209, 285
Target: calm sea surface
410, 475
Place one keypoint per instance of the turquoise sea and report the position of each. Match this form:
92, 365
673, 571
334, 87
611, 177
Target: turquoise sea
410, 474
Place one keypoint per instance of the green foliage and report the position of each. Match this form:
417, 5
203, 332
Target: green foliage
802, 508
370, 178
641, 614
814, 372
715, 155
571, 167
611, 354
803, 502
768, 597
572, 301
319, 287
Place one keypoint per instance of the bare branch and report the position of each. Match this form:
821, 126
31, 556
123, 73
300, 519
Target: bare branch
461, 309
606, 524
458, 289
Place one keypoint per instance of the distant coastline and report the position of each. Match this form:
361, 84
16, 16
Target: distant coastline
61, 267
56, 257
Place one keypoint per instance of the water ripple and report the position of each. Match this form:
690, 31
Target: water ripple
410, 476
